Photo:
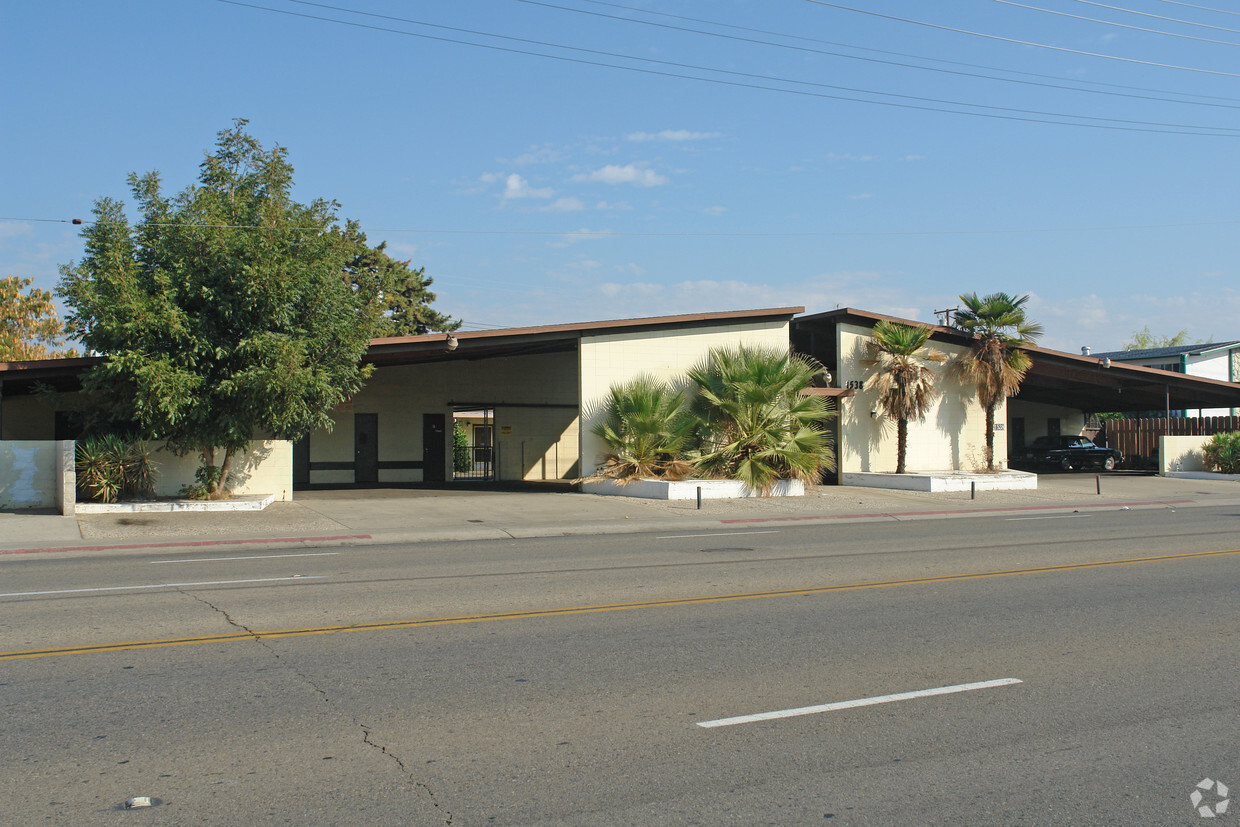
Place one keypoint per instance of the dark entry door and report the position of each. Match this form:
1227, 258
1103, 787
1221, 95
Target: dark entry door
434, 447
365, 447
301, 462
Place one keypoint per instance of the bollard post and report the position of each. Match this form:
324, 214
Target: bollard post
699, 489
973, 490
1098, 483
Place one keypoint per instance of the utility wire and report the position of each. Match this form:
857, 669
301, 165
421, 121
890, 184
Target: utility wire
1120, 25
904, 54
809, 50
623, 234
1020, 115
1024, 42
1202, 8
1160, 17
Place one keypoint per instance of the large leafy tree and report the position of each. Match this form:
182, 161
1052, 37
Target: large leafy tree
903, 379
402, 291
227, 310
754, 423
29, 326
995, 363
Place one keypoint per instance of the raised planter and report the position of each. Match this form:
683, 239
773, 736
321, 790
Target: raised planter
939, 481
1202, 475
688, 489
243, 503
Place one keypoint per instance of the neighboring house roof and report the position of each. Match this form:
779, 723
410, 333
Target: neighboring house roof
1164, 352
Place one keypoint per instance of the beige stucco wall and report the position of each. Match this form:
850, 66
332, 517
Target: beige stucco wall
266, 468
619, 357
1181, 453
952, 437
28, 474
529, 441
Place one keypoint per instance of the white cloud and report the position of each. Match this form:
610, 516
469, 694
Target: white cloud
12, 229
715, 210
671, 135
567, 204
578, 236
635, 174
848, 156
517, 187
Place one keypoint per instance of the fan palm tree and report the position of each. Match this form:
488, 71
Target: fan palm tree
645, 423
905, 383
754, 424
995, 363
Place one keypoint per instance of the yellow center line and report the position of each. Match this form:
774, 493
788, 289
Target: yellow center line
608, 607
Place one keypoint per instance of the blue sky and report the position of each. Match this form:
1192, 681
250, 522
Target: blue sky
574, 160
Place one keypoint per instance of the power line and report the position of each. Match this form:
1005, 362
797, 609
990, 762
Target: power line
883, 62
1202, 8
623, 234
1161, 17
1120, 25
1009, 113
1023, 42
906, 54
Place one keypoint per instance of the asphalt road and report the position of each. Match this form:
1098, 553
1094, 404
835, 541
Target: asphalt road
564, 681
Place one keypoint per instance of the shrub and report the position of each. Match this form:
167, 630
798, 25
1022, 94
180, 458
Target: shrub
461, 459
753, 423
1222, 453
645, 423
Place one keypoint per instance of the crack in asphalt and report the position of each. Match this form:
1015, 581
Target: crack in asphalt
366, 730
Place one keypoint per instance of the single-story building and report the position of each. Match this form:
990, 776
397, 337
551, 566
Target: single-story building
526, 397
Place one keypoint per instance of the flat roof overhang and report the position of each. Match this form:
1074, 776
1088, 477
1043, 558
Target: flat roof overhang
1067, 379
1088, 384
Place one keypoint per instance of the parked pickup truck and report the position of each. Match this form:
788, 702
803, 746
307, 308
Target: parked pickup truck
1068, 452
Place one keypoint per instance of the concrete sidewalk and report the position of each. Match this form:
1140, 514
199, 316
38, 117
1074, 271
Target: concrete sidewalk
416, 515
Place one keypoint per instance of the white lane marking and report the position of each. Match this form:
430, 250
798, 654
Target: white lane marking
881, 699
167, 585
714, 534
1056, 517
254, 557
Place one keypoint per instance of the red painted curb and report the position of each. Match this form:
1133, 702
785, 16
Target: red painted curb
953, 511
189, 544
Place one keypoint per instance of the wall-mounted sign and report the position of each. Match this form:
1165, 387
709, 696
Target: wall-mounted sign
505, 430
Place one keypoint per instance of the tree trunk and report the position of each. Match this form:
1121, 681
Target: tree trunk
901, 444
221, 488
990, 435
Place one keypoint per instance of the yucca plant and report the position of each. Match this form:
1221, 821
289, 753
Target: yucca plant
109, 468
753, 423
645, 423
903, 380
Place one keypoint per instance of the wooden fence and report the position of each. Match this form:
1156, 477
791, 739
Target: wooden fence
1137, 439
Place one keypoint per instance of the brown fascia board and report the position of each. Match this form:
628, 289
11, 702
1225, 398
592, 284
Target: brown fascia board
586, 328
61, 365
